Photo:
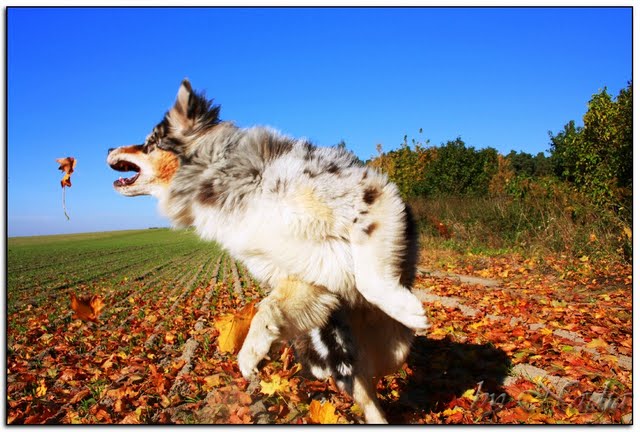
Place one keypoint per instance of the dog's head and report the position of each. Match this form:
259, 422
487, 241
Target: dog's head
157, 160
154, 168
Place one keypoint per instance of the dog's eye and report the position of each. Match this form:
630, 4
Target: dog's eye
148, 146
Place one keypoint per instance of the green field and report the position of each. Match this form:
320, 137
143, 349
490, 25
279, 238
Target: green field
156, 285
44, 270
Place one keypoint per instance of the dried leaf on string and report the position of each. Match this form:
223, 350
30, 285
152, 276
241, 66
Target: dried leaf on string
67, 165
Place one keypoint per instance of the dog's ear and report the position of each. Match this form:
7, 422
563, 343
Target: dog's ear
179, 115
191, 114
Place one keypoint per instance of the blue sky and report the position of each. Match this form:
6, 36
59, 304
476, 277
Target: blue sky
82, 80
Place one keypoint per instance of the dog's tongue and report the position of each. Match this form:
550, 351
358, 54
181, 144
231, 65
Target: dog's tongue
126, 181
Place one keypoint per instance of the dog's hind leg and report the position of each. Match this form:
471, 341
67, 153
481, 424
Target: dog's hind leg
292, 308
364, 394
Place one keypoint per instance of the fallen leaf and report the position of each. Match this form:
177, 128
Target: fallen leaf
87, 308
571, 411
233, 328
42, 389
469, 394
526, 397
170, 337
79, 396
597, 343
277, 384
322, 413
211, 382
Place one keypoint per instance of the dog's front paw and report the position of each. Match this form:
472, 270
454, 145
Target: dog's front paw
248, 362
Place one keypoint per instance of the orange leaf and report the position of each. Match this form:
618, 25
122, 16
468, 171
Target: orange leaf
67, 165
233, 328
87, 308
324, 413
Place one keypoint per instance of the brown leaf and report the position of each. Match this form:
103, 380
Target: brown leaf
87, 308
79, 396
67, 165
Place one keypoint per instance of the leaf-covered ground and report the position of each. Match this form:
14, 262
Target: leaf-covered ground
549, 343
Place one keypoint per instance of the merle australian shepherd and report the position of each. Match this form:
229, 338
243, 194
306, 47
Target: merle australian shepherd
331, 238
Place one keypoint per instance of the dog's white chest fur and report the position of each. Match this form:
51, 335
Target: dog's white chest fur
294, 231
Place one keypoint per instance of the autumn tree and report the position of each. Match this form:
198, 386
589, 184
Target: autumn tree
597, 158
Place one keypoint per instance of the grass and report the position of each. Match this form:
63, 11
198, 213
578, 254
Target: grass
544, 219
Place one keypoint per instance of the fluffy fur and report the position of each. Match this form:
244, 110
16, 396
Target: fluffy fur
332, 238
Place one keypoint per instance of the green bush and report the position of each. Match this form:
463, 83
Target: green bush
537, 216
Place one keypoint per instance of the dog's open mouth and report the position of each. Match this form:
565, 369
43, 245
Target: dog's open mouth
125, 166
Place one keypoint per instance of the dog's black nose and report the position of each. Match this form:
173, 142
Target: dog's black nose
110, 150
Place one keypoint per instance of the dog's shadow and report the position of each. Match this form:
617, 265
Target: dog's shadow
443, 370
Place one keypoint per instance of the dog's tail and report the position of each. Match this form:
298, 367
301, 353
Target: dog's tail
384, 246
330, 351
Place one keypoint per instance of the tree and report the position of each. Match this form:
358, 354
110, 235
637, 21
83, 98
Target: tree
457, 169
597, 158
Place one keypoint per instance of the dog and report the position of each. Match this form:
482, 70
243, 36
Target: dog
331, 238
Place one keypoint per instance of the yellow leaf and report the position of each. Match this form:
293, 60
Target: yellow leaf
438, 332
584, 258
450, 411
469, 394
355, 409
477, 325
526, 397
277, 384
165, 401
324, 413
233, 328
597, 343
546, 331
627, 232
211, 382
571, 411
42, 389
170, 337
